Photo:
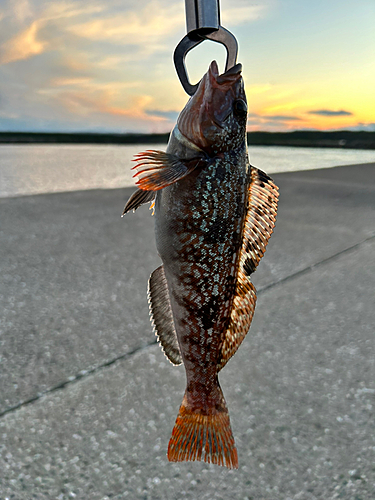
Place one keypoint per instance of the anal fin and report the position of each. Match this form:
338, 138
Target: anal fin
157, 170
258, 226
161, 315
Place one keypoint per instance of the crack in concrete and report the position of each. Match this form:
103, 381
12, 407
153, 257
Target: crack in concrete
311, 268
76, 378
86, 373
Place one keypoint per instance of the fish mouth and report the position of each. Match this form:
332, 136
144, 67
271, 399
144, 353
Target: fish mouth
206, 114
234, 71
223, 83
228, 78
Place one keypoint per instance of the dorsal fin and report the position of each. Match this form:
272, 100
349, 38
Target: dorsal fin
161, 315
258, 226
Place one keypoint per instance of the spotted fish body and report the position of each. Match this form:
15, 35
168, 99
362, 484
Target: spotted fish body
214, 215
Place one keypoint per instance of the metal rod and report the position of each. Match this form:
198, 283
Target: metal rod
202, 15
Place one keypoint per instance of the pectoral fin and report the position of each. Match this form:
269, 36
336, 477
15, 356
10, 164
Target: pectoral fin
258, 226
137, 199
161, 315
157, 170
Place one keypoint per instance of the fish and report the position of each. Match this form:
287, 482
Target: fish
214, 214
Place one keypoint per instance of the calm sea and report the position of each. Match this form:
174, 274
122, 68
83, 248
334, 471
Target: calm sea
34, 169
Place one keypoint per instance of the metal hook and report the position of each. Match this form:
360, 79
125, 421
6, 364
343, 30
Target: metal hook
203, 23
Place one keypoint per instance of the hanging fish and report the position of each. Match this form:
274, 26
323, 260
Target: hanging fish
214, 215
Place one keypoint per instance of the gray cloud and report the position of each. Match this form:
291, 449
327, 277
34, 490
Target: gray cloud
169, 115
330, 112
273, 123
365, 127
282, 118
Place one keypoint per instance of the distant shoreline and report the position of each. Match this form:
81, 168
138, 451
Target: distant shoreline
337, 139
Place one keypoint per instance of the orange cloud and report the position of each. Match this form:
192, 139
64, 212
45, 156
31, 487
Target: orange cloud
147, 25
31, 41
135, 111
22, 46
258, 89
67, 10
101, 101
62, 82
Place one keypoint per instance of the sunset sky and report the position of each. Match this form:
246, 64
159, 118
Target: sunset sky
106, 65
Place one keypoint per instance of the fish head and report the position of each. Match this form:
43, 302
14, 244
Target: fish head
214, 119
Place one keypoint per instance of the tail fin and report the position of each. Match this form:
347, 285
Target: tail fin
198, 436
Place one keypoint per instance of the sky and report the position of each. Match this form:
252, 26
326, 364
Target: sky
107, 65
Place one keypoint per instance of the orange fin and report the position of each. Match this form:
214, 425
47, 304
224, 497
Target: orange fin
260, 219
137, 199
157, 170
240, 320
258, 226
198, 436
161, 315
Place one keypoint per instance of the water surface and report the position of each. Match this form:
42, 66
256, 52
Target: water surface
32, 169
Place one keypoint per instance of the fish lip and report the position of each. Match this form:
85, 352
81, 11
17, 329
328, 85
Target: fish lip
234, 70
230, 76
214, 69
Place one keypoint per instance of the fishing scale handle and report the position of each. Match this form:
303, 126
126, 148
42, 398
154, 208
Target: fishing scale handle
202, 16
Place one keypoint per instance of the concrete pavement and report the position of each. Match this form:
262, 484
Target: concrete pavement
88, 401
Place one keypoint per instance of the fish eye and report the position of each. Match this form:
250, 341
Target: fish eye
240, 107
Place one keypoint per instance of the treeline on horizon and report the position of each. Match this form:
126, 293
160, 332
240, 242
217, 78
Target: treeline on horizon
302, 138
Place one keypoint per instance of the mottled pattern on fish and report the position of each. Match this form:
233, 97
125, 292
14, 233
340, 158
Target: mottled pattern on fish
214, 215
198, 239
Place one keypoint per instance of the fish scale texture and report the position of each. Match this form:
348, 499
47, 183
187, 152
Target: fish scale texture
200, 249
